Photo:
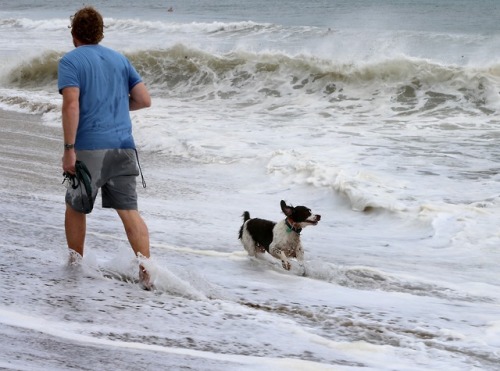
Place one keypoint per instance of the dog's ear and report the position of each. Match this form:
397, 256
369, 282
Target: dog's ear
287, 210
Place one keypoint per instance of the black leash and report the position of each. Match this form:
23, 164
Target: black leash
140, 170
82, 179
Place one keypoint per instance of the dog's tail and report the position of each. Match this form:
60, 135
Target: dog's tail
246, 216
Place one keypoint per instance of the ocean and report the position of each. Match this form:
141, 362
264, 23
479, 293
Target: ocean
382, 116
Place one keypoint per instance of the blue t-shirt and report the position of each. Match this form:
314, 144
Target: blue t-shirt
105, 78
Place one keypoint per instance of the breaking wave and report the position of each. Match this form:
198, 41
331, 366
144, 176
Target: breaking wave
187, 73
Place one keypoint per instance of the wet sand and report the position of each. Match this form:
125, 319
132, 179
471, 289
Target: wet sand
29, 153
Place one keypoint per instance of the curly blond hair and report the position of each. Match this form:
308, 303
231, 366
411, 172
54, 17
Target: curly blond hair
87, 26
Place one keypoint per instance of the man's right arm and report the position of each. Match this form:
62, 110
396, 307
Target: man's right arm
139, 97
70, 120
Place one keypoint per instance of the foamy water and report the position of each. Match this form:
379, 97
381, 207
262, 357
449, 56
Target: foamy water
388, 129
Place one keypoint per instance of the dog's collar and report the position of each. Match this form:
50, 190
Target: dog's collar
292, 228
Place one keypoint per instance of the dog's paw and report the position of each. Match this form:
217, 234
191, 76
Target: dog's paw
259, 248
286, 265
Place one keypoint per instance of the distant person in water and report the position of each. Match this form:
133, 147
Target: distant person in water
170, 9
99, 87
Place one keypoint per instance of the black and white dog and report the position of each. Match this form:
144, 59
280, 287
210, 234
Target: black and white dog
282, 239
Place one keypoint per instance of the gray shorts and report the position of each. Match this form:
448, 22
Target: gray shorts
114, 171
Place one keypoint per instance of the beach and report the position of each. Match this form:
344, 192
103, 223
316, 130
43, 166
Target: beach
213, 306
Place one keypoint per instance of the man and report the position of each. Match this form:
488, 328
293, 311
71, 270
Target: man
99, 87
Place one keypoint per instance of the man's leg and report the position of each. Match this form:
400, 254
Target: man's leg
137, 231
138, 236
75, 224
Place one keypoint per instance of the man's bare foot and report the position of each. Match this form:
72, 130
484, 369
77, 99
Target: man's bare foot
145, 279
74, 258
